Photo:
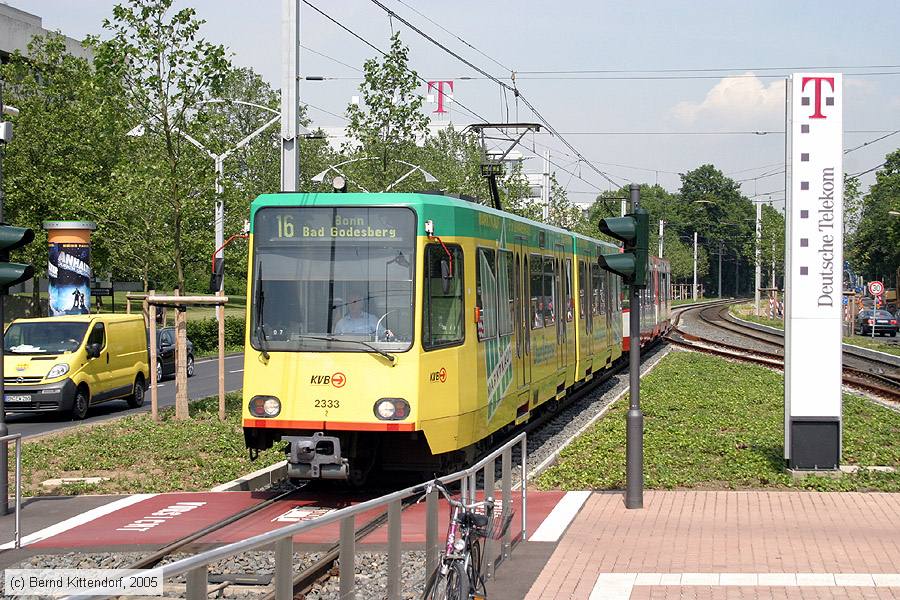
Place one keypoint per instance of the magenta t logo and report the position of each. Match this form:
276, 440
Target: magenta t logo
439, 86
818, 101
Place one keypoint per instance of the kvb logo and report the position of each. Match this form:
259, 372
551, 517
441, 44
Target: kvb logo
829, 100
338, 380
439, 376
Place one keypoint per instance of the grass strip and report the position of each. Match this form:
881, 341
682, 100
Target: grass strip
714, 424
141, 456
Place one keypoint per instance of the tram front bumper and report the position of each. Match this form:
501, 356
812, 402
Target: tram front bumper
315, 457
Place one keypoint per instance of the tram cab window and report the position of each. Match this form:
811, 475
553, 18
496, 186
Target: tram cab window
443, 308
536, 291
326, 279
486, 293
570, 303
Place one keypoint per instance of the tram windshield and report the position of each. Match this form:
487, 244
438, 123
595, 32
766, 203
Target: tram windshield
333, 279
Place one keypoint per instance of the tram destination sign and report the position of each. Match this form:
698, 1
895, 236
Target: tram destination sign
278, 224
813, 274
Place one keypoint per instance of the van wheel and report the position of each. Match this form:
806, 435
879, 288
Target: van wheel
159, 371
190, 365
80, 404
136, 399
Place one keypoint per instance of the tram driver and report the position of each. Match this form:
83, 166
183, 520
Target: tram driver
359, 322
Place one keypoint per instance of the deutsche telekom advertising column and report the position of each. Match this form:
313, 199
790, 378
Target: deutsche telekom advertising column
814, 242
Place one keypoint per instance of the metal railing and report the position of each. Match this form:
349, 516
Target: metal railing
6, 439
196, 567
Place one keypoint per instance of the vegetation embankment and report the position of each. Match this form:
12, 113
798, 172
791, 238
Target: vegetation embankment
745, 311
714, 424
139, 455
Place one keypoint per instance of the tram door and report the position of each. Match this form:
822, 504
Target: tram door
561, 307
522, 358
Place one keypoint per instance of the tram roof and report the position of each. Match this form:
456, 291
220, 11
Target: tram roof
411, 200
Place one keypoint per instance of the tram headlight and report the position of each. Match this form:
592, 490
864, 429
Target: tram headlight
392, 409
265, 406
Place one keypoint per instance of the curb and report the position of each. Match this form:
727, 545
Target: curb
255, 480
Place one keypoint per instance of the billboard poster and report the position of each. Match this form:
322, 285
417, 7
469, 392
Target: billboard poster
70, 278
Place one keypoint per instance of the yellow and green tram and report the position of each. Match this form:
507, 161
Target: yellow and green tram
402, 331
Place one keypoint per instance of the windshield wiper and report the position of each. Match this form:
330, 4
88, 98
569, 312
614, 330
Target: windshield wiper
260, 302
325, 338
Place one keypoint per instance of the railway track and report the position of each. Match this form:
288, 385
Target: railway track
870, 375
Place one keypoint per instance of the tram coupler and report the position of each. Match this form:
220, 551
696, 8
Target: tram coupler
315, 457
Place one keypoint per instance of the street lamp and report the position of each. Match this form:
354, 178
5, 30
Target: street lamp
219, 160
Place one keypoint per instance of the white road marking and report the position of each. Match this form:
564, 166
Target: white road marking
236, 371
618, 586
81, 519
560, 517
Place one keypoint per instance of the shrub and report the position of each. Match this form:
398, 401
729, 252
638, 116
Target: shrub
204, 333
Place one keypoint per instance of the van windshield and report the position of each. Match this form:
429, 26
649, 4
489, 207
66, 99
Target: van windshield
44, 337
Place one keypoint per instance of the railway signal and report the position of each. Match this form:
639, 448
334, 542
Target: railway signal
634, 230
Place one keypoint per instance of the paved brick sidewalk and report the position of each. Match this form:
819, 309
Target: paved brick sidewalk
689, 538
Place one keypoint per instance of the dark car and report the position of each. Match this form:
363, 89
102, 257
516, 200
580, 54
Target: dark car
165, 354
880, 321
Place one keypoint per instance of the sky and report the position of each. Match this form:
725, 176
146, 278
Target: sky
647, 129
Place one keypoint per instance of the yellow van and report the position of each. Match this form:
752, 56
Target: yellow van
69, 363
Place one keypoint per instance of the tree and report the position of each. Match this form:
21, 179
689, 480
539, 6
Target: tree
388, 121
167, 70
874, 246
69, 136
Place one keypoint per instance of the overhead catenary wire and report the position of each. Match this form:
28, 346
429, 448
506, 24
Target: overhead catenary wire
458, 103
514, 90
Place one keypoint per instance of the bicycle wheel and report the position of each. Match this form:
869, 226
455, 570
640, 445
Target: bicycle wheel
476, 581
452, 586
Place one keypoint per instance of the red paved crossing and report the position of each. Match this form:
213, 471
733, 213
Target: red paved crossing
165, 518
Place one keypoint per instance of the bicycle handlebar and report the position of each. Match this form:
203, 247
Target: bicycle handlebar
445, 492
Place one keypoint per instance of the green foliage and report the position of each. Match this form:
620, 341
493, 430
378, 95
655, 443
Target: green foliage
204, 333
388, 120
167, 70
727, 433
141, 456
873, 246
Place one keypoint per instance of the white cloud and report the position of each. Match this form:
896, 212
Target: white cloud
736, 100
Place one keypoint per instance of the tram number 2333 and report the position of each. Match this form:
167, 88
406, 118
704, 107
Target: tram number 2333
318, 403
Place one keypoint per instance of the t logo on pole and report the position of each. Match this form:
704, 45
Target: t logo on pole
632, 265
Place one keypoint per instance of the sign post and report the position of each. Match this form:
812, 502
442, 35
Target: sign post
876, 289
814, 242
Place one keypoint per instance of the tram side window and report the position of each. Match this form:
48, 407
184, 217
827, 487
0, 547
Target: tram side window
486, 294
596, 290
581, 297
536, 292
570, 303
550, 304
442, 322
507, 286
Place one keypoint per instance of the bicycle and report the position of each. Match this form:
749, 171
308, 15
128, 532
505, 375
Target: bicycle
458, 577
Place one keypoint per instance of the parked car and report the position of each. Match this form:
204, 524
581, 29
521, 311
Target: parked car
165, 354
69, 363
881, 321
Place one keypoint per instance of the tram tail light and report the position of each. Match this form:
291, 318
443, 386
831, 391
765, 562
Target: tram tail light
392, 409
